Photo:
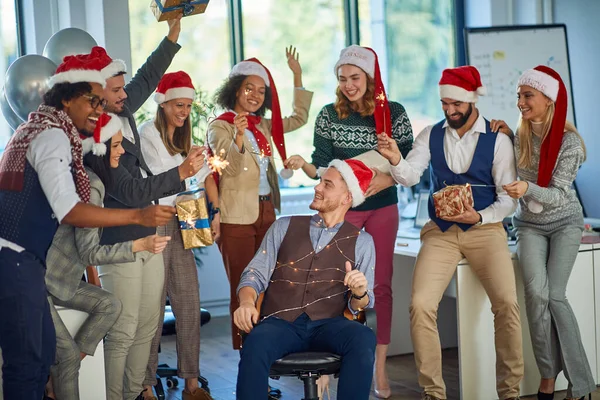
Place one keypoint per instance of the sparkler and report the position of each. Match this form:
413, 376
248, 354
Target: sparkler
217, 162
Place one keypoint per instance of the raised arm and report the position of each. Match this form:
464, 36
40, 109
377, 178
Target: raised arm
147, 77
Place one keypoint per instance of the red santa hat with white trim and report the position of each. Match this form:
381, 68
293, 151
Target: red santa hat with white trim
80, 68
366, 59
462, 84
106, 127
110, 67
357, 176
174, 85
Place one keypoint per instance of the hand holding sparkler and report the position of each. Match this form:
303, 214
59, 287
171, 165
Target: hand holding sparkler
241, 123
192, 163
388, 148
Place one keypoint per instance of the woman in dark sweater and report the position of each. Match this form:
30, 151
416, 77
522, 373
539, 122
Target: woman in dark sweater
349, 128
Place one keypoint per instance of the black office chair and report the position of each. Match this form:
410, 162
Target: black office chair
311, 365
164, 371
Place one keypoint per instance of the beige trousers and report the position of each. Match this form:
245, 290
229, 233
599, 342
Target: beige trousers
486, 250
139, 286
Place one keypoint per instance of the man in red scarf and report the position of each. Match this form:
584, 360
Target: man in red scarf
42, 184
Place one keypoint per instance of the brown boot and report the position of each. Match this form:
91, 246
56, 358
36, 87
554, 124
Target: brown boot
198, 394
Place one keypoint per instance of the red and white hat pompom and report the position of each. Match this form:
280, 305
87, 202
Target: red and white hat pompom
174, 85
106, 127
462, 84
357, 176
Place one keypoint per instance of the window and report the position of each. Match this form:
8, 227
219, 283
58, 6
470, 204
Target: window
8, 53
205, 42
316, 29
415, 39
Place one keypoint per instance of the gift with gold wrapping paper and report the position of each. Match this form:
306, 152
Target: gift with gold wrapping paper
450, 201
193, 215
169, 9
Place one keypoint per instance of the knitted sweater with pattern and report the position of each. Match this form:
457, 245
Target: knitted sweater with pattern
337, 138
559, 200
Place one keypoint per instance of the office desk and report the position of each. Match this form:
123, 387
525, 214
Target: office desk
465, 320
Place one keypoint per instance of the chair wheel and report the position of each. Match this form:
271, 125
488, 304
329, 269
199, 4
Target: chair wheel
172, 383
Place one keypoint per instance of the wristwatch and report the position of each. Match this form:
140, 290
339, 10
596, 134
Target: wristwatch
361, 296
480, 220
215, 210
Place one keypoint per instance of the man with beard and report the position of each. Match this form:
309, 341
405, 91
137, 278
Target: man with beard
462, 149
43, 183
311, 269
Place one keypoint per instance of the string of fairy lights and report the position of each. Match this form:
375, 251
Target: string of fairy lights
291, 265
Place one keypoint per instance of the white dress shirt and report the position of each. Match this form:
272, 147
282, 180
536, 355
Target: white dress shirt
49, 154
159, 160
459, 155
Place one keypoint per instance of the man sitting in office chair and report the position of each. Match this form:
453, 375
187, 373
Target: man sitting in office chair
310, 270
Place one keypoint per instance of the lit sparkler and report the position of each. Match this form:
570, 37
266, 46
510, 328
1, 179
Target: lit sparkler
217, 162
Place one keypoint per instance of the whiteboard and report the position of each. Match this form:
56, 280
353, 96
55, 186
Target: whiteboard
501, 54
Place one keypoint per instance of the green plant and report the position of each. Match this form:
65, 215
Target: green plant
203, 110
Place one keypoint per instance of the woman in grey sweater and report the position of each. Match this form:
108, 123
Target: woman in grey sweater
549, 223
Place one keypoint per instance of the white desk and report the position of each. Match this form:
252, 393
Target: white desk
471, 321
91, 373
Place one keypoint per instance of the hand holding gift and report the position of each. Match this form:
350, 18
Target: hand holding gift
455, 203
165, 10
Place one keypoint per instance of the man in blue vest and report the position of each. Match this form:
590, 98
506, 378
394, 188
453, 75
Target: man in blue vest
462, 149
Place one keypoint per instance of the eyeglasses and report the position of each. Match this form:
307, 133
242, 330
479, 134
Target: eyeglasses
96, 101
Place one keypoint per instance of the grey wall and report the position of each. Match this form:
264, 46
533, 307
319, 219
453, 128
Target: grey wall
583, 34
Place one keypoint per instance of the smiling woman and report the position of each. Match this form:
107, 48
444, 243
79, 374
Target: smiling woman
8, 53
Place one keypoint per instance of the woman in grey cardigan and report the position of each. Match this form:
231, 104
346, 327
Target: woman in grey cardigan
549, 223
72, 250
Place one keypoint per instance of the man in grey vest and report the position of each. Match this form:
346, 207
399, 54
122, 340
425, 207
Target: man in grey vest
311, 269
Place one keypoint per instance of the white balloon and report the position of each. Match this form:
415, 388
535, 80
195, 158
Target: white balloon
286, 173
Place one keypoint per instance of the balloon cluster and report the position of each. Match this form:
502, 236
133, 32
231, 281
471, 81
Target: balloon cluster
27, 77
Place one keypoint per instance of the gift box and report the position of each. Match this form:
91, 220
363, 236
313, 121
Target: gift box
450, 201
373, 159
193, 215
169, 9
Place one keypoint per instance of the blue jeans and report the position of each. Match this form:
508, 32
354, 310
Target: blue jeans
27, 335
274, 338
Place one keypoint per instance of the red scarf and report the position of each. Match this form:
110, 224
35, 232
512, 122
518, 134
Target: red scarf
253, 120
553, 141
12, 164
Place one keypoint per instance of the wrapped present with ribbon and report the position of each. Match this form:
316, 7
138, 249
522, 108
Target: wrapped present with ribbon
450, 201
194, 218
169, 9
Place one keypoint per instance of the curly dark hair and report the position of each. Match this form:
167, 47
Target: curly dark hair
226, 95
65, 92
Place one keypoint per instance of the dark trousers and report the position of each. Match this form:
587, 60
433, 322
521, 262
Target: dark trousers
27, 335
238, 245
274, 338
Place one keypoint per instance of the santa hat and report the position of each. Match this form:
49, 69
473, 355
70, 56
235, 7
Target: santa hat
106, 127
366, 59
80, 68
252, 66
110, 67
462, 84
174, 85
549, 82
356, 175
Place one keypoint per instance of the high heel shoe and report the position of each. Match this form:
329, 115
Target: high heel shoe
545, 396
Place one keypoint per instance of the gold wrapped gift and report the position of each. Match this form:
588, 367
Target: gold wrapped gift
194, 222
169, 9
450, 201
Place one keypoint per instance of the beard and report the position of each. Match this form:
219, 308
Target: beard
86, 133
323, 205
459, 123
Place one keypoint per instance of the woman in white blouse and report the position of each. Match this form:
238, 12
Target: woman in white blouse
165, 142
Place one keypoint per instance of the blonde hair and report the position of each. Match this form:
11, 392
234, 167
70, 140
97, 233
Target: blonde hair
343, 107
182, 137
525, 132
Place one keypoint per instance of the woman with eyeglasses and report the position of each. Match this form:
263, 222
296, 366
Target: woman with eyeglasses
165, 142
